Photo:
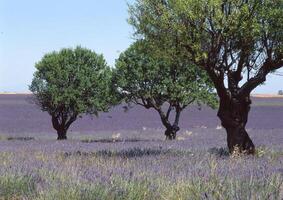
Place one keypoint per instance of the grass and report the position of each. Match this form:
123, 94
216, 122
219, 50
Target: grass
23, 187
16, 187
140, 174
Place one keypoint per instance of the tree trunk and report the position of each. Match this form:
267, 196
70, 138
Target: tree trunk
233, 113
61, 125
171, 132
62, 134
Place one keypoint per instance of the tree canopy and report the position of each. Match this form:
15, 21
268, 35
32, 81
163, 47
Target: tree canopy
238, 43
161, 83
69, 83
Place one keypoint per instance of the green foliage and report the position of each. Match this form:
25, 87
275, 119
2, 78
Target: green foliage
73, 79
237, 42
222, 37
71, 82
156, 80
140, 75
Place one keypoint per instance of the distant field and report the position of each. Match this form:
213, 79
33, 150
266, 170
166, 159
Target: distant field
267, 96
20, 116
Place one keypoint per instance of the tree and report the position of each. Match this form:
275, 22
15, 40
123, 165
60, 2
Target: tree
160, 84
237, 42
69, 83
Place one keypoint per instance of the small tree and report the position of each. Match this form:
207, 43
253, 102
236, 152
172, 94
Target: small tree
237, 42
160, 84
69, 83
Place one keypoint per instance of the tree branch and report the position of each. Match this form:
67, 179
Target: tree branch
177, 116
168, 111
71, 120
164, 119
260, 77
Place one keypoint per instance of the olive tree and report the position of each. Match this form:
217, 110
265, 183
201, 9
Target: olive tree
165, 86
70, 83
237, 42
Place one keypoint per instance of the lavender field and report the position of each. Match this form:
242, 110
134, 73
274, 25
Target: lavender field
123, 155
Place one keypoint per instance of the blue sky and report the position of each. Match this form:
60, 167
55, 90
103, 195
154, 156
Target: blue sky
31, 28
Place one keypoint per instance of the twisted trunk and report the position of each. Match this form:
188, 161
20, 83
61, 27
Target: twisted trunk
233, 113
61, 124
171, 130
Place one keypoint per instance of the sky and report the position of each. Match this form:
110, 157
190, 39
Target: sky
31, 28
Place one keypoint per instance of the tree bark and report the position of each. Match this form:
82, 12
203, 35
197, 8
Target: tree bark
62, 125
62, 134
171, 132
233, 113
